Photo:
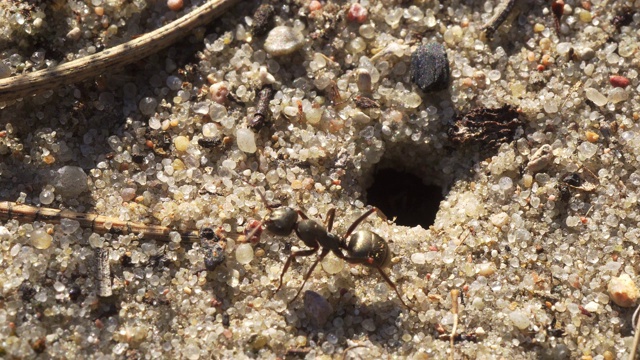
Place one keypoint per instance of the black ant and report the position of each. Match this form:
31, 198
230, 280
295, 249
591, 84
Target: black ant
361, 247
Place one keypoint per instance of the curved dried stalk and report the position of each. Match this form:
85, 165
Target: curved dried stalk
112, 58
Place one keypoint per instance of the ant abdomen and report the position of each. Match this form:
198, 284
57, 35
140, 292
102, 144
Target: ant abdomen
281, 221
369, 249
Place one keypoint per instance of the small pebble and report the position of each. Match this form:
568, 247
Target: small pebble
246, 140
5, 70
585, 16
128, 193
357, 13
47, 196
453, 35
430, 67
592, 136
283, 40
623, 291
70, 181
587, 150
363, 80
369, 325
175, 5
315, 5
69, 226
219, 92
486, 269
258, 342
74, 34
558, 352
411, 100
314, 115
585, 53
40, 239
317, 308
181, 143
540, 159
595, 96
563, 48
332, 265
500, 219
244, 253
619, 81
148, 105
617, 95
519, 319
418, 258
4, 233
592, 306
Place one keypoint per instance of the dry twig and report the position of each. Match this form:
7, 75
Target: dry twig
97, 223
112, 58
454, 310
501, 15
636, 336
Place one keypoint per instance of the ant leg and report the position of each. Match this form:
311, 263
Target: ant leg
331, 214
295, 254
253, 232
358, 221
324, 253
367, 262
386, 278
264, 198
302, 215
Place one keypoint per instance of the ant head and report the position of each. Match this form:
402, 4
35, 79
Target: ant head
281, 221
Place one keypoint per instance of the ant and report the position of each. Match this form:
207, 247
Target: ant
361, 247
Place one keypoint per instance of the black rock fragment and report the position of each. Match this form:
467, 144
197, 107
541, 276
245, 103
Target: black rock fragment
624, 17
430, 67
213, 247
213, 256
262, 19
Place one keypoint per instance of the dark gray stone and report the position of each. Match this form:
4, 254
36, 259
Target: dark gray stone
317, 308
70, 181
430, 67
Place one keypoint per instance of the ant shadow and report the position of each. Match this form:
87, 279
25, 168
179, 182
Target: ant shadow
353, 320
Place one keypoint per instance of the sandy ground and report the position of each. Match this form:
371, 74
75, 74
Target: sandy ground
535, 238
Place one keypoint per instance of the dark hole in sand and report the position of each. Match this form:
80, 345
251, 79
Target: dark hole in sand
404, 196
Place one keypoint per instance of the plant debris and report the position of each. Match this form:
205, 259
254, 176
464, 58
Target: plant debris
489, 127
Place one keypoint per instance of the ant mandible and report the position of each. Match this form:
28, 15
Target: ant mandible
361, 247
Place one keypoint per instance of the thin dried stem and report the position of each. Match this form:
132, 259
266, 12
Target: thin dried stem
97, 223
454, 310
103, 272
636, 336
112, 58
501, 15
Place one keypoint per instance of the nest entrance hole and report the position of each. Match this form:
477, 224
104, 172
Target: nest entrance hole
405, 196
